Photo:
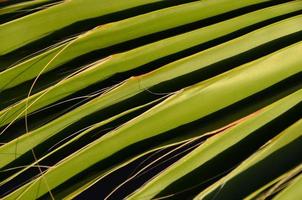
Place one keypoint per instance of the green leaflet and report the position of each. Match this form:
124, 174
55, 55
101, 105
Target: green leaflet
277, 150
129, 60
23, 5
293, 191
215, 146
12, 33
103, 37
281, 70
272, 187
221, 123
216, 93
81, 135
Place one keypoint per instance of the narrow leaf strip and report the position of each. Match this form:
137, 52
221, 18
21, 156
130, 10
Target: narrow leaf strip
275, 185
286, 141
23, 5
114, 33
129, 60
191, 103
215, 146
84, 133
293, 191
12, 34
231, 86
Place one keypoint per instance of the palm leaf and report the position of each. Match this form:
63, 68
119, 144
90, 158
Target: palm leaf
163, 99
